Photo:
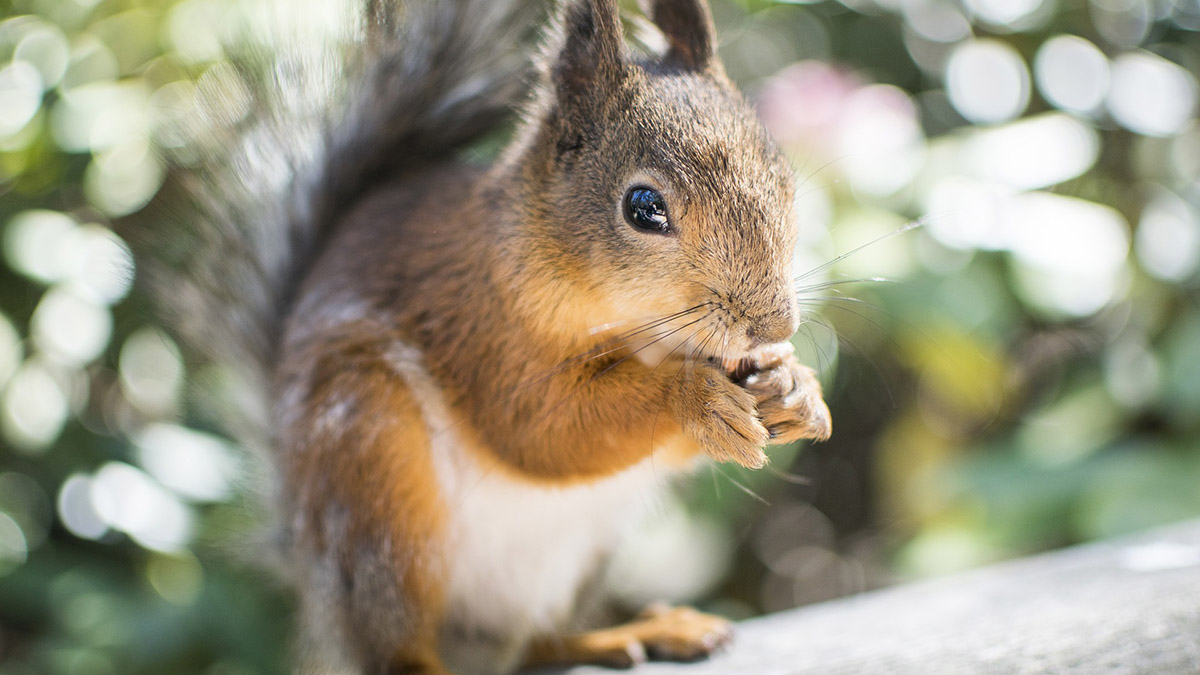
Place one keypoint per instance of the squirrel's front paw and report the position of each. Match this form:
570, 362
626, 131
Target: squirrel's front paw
722, 417
789, 401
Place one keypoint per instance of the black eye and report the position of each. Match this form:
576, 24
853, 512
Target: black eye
646, 210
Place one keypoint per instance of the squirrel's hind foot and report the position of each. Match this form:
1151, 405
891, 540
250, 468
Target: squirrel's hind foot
659, 633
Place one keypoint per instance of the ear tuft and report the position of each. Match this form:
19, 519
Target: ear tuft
688, 26
591, 45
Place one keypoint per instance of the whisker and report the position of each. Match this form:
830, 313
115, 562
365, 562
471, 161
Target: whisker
826, 285
554, 408
698, 352
754, 495
647, 326
831, 302
604, 327
850, 310
724, 346
863, 353
682, 365
849, 304
789, 477
602, 349
803, 167
691, 353
824, 363
918, 223
814, 188
816, 171
614, 344
635, 352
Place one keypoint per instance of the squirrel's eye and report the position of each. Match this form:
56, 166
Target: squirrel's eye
646, 210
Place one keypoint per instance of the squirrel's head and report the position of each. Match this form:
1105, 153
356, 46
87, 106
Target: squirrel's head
653, 187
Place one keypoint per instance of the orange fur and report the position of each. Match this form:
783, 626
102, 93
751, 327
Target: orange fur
366, 450
518, 291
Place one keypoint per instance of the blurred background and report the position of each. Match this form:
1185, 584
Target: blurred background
1009, 332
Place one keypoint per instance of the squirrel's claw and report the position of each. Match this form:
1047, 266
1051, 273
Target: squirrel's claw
733, 418
789, 402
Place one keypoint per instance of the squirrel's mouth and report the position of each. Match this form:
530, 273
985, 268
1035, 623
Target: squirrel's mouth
737, 368
737, 357
740, 367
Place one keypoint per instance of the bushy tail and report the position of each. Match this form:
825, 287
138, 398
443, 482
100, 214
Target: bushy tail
225, 243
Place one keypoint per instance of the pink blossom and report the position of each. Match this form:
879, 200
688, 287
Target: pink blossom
804, 102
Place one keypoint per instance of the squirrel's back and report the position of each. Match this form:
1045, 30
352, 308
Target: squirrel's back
226, 243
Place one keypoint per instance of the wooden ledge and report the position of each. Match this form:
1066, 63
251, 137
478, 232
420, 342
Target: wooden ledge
1131, 605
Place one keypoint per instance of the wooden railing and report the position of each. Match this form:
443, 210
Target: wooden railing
1121, 607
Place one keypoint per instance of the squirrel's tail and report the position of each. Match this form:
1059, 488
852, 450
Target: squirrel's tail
247, 203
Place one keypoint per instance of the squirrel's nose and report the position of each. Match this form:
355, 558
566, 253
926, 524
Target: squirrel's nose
775, 327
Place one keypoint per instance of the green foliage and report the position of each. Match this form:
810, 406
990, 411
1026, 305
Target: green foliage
1021, 371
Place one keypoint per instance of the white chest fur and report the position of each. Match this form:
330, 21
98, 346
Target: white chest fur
517, 553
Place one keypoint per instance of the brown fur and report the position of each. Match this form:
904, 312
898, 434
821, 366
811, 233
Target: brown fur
499, 279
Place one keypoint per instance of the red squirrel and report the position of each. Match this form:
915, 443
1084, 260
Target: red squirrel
478, 375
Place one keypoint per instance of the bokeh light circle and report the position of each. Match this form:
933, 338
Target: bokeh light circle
1072, 74
20, 96
1151, 95
987, 81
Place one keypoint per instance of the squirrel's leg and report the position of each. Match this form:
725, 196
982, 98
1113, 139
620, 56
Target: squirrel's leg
659, 633
367, 512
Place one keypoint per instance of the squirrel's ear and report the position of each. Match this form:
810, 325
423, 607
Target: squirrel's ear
688, 26
592, 46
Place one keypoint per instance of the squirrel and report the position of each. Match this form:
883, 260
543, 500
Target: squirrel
478, 375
